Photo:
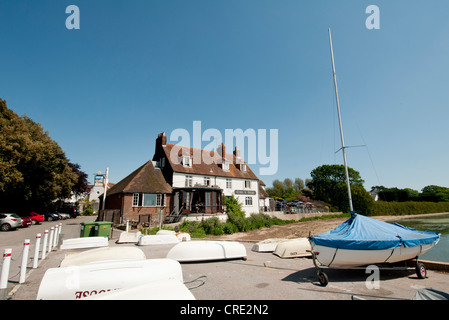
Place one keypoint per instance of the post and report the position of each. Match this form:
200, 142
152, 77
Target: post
23, 267
36, 250
44, 246
56, 236
105, 183
50, 242
5, 274
127, 225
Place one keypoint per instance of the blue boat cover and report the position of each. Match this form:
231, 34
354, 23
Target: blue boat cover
363, 233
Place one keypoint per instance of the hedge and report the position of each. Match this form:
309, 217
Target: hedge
381, 208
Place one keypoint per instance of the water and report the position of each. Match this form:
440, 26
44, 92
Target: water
439, 224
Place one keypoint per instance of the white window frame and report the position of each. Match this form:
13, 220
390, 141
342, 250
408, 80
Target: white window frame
189, 181
243, 167
186, 161
136, 197
248, 201
225, 165
159, 200
247, 184
228, 183
207, 181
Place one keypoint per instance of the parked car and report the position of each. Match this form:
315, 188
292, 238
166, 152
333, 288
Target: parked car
35, 217
26, 222
51, 216
71, 210
9, 221
64, 216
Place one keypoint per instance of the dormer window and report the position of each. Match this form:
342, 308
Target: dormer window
186, 161
243, 167
225, 166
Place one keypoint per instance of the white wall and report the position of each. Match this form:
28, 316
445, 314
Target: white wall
237, 184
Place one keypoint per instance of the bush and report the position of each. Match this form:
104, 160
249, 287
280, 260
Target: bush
381, 208
212, 226
88, 212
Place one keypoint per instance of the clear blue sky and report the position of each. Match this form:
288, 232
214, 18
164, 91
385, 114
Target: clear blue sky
137, 68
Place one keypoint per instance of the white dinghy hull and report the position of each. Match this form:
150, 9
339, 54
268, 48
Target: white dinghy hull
158, 290
157, 239
294, 248
332, 257
268, 245
129, 237
86, 242
76, 282
192, 251
101, 254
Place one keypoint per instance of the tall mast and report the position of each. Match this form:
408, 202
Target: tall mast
343, 147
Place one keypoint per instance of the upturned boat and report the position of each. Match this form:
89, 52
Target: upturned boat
197, 251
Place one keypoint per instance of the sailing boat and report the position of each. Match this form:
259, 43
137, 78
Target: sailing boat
362, 241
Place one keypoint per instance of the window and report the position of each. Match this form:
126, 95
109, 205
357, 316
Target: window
225, 165
208, 200
148, 200
186, 161
228, 183
248, 184
207, 181
243, 167
248, 201
135, 199
189, 181
153, 200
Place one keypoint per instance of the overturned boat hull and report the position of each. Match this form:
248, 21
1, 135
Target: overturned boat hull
294, 248
157, 239
192, 251
158, 290
86, 242
102, 254
76, 282
268, 245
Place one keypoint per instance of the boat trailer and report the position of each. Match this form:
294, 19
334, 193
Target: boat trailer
420, 268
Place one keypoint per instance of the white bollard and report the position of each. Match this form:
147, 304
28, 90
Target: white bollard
127, 225
23, 267
56, 236
44, 246
5, 268
5, 274
50, 242
36, 250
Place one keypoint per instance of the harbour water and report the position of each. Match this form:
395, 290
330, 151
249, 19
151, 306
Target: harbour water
439, 224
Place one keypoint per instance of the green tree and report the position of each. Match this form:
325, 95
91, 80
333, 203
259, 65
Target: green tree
435, 193
329, 185
33, 168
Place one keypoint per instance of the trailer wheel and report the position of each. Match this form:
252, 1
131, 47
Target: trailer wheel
323, 279
421, 270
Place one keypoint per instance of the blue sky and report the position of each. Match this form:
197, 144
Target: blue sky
137, 68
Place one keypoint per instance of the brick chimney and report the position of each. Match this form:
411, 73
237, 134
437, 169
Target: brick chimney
238, 160
161, 139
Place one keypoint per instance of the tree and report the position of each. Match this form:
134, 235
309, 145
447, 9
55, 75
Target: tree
329, 185
299, 184
33, 168
435, 193
81, 187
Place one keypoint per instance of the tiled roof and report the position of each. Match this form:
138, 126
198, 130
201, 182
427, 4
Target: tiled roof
146, 179
205, 168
